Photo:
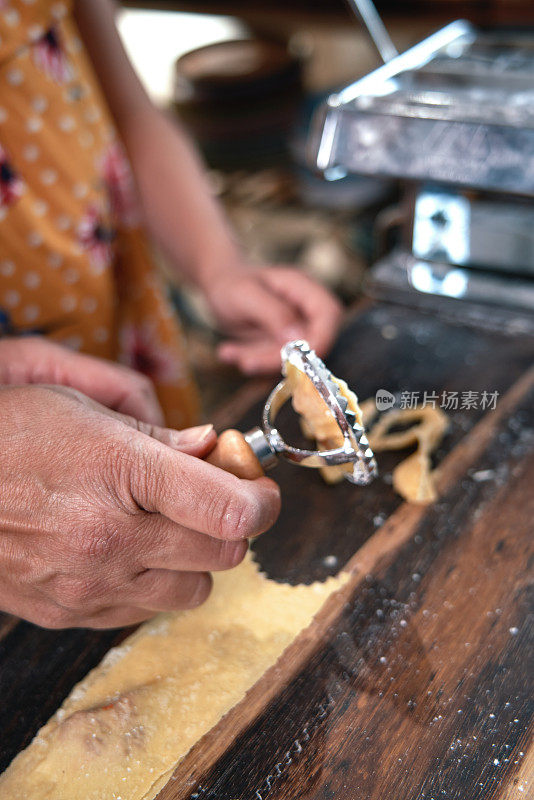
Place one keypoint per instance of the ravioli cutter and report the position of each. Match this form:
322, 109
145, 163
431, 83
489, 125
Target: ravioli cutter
248, 455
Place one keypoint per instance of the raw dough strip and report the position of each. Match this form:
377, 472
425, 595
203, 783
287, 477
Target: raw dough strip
413, 478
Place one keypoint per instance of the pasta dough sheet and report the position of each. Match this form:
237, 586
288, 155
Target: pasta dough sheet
124, 728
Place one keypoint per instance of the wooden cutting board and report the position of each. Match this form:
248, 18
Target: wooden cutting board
416, 681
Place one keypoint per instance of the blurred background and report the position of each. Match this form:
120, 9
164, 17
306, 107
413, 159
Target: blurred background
245, 79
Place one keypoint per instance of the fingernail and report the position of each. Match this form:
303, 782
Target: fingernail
195, 435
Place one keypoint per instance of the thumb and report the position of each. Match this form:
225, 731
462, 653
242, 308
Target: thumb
197, 441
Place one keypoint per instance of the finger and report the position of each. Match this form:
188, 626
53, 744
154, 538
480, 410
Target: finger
252, 357
320, 310
196, 494
114, 385
324, 327
163, 544
262, 308
197, 441
119, 388
165, 590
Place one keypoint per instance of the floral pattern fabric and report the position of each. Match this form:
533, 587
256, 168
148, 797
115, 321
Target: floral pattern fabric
74, 262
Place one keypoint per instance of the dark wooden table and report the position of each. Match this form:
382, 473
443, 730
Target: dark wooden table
416, 680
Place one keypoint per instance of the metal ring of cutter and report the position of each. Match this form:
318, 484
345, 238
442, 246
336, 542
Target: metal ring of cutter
267, 444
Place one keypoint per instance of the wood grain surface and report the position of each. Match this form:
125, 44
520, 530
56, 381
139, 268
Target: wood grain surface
421, 655
416, 680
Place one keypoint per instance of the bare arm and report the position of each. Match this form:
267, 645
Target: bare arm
180, 210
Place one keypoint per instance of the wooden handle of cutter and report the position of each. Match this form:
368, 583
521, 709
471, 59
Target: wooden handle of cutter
233, 454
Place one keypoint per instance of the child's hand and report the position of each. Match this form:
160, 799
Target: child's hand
32, 359
261, 309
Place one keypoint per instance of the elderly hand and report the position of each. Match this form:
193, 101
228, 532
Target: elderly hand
263, 308
32, 359
105, 520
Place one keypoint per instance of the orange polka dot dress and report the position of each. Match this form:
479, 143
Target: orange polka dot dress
74, 263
